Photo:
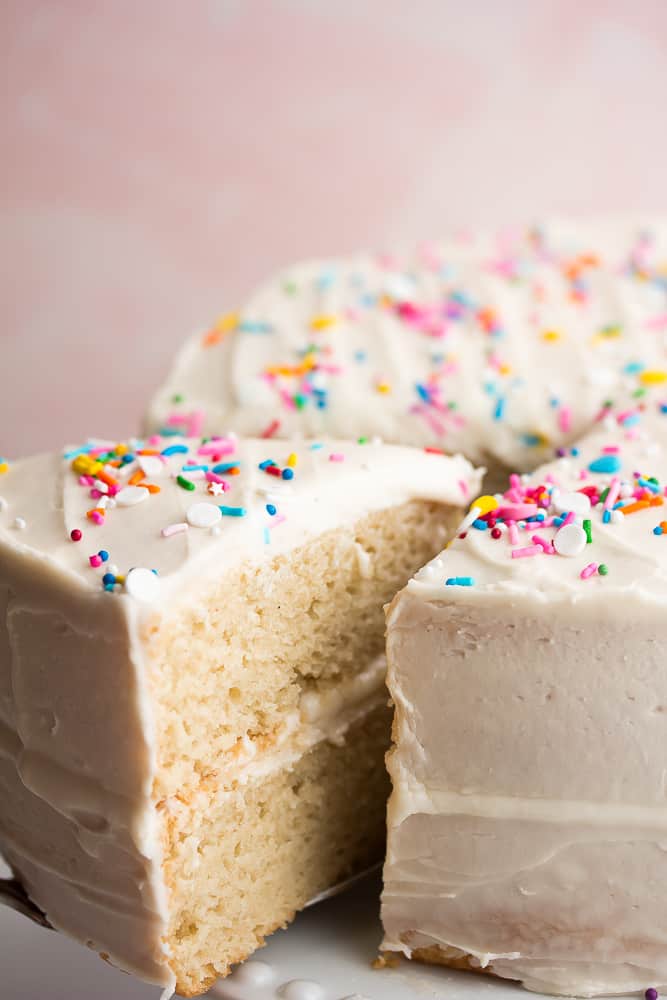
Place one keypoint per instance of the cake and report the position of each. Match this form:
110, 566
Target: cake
192, 706
501, 347
527, 823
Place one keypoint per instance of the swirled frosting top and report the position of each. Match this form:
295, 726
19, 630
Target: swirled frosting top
501, 347
131, 517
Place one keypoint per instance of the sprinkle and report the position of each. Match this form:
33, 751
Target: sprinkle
526, 551
233, 511
570, 540
292, 460
336, 456
129, 496
651, 993
185, 483
108, 578
271, 429
142, 584
603, 569
322, 322
653, 377
76, 535
94, 561
216, 489
4, 466
606, 463
588, 530
459, 581
174, 449
203, 515
516, 512
104, 555
480, 524
288, 473
577, 503
499, 409
612, 494
589, 570
20, 523
174, 529
270, 509
230, 467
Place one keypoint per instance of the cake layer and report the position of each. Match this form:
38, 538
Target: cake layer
182, 621
502, 346
528, 818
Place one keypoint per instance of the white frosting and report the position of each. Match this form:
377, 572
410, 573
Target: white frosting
528, 821
502, 347
77, 758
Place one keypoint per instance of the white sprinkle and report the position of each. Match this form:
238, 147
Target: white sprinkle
174, 529
151, 465
570, 540
102, 487
617, 517
131, 495
142, 583
578, 503
20, 523
112, 568
203, 515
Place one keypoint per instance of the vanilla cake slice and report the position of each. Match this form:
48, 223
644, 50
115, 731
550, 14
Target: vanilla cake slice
192, 706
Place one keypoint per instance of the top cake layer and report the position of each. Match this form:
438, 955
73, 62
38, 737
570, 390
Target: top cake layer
499, 347
149, 510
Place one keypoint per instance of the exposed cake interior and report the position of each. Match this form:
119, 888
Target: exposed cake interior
272, 722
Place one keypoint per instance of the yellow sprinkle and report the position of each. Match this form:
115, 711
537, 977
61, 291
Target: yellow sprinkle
551, 335
322, 322
653, 377
485, 504
224, 324
504, 369
84, 465
4, 467
291, 460
383, 387
120, 579
121, 449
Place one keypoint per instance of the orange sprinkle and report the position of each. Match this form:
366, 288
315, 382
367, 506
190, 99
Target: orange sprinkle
633, 507
106, 478
223, 325
322, 322
151, 487
233, 472
148, 451
136, 477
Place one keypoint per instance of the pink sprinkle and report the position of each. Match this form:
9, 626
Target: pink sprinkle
611, 449
196, 423
658, 322
271, 429
95, 561
612, 495
221, 447
543, 543
528, 550
154, 440
86, 480
336, 456
463, 486
565, 419
513, 532
569, 518
174, 529
213, 477
517, 511
588, 571
95, 494
515, 481
97, 517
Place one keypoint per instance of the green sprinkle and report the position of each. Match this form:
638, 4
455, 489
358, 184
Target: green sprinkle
638, 393
603, 569
299, 401
177, 398
603, 495
289, 287
589, 533
362, 440
187, 484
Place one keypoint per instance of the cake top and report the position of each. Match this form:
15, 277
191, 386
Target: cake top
504, 346
130, 517
587, 524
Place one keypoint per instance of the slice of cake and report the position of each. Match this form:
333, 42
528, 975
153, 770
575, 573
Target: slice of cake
528, 819
192, 706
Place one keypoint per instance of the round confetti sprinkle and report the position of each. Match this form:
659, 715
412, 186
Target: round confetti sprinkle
142, 584
129, 496
570, 540
485, 505
151, 465
76, 535
578, 503
203, 515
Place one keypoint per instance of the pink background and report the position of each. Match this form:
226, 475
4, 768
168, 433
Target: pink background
161, 156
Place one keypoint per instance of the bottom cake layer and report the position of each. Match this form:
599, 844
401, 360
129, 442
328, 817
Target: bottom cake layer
280, 841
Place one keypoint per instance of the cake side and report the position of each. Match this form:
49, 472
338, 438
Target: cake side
527, 820
77, 822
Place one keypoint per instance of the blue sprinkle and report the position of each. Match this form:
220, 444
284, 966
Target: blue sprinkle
574, 452
126, 459
531, 440
254, 326
233, 511
649, 485
606, 516
104, 555
631, 420
326, 280
423, 393
500, 409
265, 464
459, 581
558, 521
634, 368
73, 452
224, 467
194, 468
663, 407
606, 463
170, 432
657, 530
480, 524
108, 578
288, 473
175, 449
316, 445
360, 356
267, 536
109, 587
270, 509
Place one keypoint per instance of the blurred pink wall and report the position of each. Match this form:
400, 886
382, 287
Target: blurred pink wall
161, 156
